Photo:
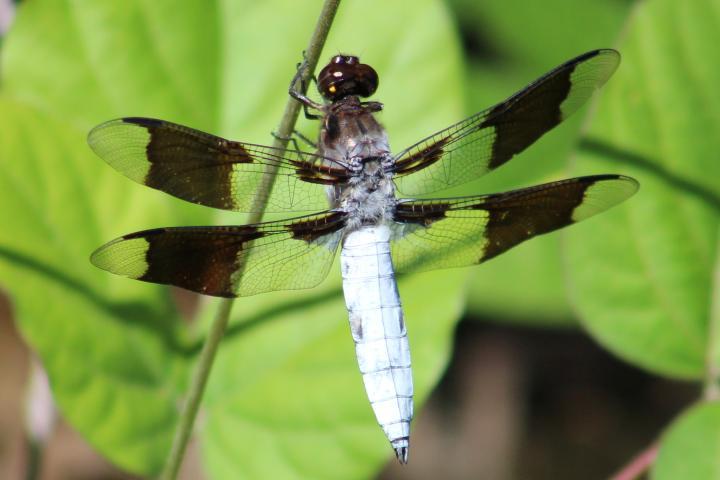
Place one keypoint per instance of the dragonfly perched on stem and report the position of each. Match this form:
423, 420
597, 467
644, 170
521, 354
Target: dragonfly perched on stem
352, 183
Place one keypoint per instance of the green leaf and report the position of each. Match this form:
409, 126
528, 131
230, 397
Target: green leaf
521, 35
689, 448
109, 347
116, 351
642, 275
517, 47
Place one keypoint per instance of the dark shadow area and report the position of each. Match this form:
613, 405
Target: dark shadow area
526, 403
477, 41
647, 164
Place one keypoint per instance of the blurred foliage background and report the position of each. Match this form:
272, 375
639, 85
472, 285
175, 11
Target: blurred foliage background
561, 359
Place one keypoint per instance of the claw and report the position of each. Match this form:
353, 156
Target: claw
402, 449
402, 454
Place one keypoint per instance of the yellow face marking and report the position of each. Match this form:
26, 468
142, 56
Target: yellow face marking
332, 89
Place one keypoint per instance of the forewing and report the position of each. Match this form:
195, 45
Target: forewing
229, 261
486, 140
431, 234
212, 171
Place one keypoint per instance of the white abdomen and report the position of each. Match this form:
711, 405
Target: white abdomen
378, 329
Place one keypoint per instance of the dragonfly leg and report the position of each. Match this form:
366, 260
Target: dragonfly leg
305, 139
373, 106
299, 95
293, 139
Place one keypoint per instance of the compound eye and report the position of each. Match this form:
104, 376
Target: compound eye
345, 60
345, 76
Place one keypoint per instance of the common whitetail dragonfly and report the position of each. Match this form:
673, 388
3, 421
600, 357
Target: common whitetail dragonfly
353, 178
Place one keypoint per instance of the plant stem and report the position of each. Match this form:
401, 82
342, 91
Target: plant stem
711, 387
35, 453
217, 329
197, 388
292, 107
638, 465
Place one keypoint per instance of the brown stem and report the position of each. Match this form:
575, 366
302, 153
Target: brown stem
638, 465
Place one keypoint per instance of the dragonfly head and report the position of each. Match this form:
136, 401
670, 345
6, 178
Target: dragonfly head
345, 76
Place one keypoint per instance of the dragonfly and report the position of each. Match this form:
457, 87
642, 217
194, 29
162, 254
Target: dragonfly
356, 196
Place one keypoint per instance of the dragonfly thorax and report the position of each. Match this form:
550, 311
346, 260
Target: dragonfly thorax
369, 197
351, 136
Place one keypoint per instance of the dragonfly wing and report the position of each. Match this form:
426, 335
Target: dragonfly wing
212, 171
486, 140
443, 233
229, 261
